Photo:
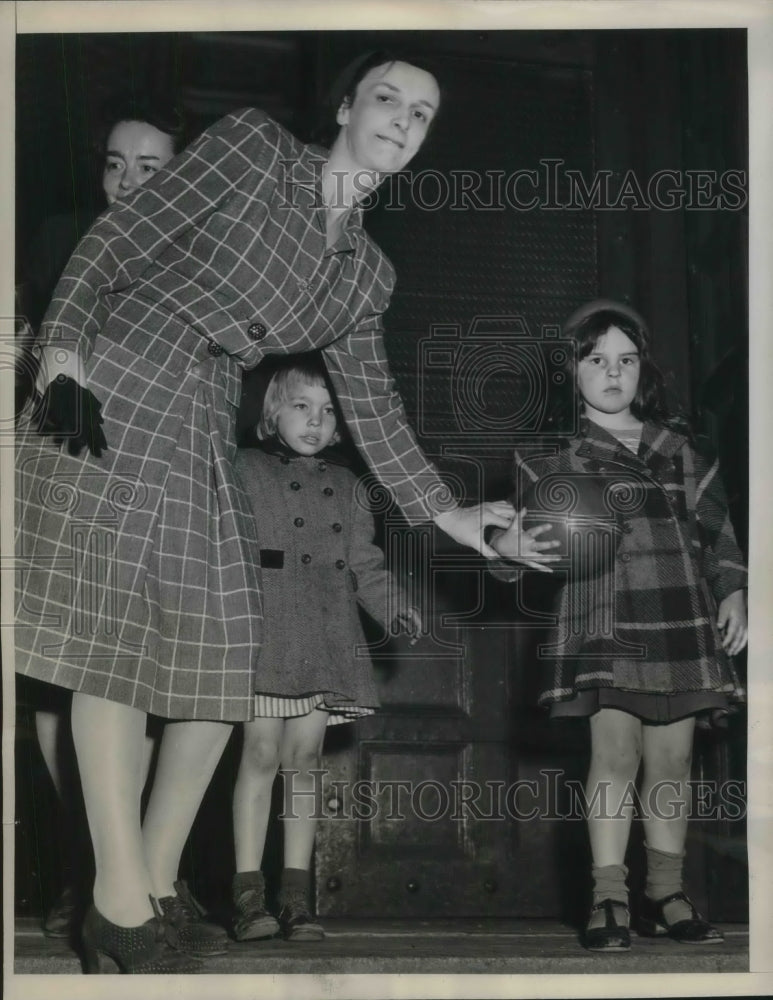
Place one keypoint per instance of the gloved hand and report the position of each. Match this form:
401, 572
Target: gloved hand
72, 413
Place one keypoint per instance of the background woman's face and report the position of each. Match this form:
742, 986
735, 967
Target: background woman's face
135, 151
387, 121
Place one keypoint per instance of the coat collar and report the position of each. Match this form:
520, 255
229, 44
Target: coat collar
657, 448
303, 180
277, 449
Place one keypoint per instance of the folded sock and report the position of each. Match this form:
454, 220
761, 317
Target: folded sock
664, 873
609, 883
294, 880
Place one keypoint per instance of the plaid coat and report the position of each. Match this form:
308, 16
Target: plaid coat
648, 624
318, 562
138, 571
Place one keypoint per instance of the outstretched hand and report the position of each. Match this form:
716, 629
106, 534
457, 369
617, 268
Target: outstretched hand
523, 546
466, 525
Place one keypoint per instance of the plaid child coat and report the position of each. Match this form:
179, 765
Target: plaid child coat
649, 623
318, 562
138, 576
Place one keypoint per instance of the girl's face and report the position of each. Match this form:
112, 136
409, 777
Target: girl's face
306, 421
609, 377
135, 151
386, 123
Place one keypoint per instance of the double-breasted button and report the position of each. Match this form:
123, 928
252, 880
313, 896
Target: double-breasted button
322, 466
340, 564
284, 460
337, 527
627, 527
294, 485
214, 349
306, 558
257, 331
299, 522
625, 557
328, 491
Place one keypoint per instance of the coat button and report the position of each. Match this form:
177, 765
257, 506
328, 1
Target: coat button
328, 491
257, 331
627, 527
284, 460
340, 564
306, 558
299, 522
295, 486
214, 349
625, 557
337, 527
322, 466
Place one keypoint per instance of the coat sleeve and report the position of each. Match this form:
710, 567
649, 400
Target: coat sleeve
133, 233
723, 564
378, 590
376, 418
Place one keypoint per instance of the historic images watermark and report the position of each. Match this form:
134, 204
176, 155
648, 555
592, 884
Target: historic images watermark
551, 797
550, 185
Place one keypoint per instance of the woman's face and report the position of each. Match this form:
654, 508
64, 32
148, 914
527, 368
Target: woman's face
387, 121
135, 151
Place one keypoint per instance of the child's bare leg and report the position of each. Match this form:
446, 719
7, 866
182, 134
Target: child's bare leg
665, 797
301, 756
252, 792
615, 759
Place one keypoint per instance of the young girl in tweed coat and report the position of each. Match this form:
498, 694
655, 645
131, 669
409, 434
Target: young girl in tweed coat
318, 563
674, 600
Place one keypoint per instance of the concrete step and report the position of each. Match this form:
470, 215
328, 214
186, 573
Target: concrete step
439, 947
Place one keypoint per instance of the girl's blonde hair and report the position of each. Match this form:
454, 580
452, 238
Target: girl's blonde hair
280, 390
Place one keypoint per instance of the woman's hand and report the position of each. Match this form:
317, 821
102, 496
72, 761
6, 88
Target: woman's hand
467, 524
732, 622
522, 546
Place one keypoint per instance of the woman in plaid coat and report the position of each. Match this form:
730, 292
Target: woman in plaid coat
644, 634
139, 585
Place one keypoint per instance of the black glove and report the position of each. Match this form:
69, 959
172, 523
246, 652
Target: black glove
72, 414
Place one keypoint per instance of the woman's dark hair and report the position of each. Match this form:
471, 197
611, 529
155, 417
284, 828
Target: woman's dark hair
154, 109
344, 88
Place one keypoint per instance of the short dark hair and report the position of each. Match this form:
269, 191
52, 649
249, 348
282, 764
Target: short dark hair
344, 87
154, 109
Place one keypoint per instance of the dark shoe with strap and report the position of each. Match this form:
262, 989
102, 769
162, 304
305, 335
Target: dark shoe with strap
253, 921
108, 948
58, 922
610, 936
188, 929
694, 929
295, 919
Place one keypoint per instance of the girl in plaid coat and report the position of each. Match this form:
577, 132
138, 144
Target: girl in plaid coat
318, 563
643, 641
137, 558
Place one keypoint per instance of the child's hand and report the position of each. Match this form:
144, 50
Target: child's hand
522, 546
732, 622
408, 621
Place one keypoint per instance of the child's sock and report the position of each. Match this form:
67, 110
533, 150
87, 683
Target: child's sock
294, 880
247, 882
664, 877
609, 883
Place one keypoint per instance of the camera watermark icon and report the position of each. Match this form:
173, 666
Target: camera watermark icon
495, 381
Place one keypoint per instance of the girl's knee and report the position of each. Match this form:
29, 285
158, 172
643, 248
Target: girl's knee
619, 757
260, 755
668, 762
302, 758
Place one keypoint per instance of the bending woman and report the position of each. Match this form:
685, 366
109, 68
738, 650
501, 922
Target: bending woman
138, 557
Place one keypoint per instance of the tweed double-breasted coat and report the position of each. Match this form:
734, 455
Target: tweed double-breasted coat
648, 623
138, 572
318, 563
